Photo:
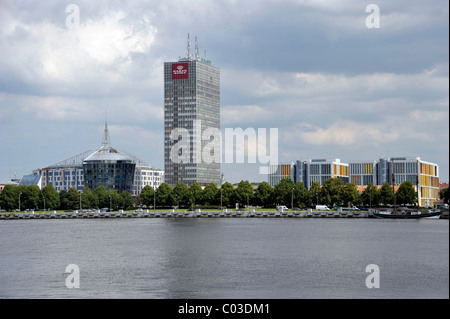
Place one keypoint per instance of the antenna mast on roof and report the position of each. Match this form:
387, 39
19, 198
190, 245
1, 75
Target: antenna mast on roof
105, 141
197, 54
188, 47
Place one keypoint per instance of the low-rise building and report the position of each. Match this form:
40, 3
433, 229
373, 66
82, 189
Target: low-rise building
106, 166
423, 175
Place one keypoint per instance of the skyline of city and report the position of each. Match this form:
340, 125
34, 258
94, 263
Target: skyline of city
333, 87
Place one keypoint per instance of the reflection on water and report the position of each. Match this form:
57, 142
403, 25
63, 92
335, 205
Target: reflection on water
224, 258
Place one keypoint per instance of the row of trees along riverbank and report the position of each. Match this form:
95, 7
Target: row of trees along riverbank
332, 192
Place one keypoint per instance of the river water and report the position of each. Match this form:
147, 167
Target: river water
224, 258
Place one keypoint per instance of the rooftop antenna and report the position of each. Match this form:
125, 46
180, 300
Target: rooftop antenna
106, 141
188, 47
197, 55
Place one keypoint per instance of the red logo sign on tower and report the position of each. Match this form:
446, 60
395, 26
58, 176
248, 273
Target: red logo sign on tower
180, 71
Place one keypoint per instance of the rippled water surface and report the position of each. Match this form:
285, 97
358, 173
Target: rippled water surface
224, 258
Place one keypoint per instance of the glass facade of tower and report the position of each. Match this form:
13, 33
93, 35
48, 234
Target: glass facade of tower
191, 106
110, 170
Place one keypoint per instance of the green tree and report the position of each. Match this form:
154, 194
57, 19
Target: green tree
88, 199
209, 194
226, 193
315, 193
126, 200
445, 195
164, 195
181, 193
30, 197
147, 196
113, 199
72, 200
137, 201
195, 194
301, 195
406, 194
9, 198
282, 192
102, 196
332, 192
350, 194
51, 197
264, 195
244, 193
370, 196
386, 195
62, 197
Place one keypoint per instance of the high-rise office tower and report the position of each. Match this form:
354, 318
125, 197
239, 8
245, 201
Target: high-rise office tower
191, 113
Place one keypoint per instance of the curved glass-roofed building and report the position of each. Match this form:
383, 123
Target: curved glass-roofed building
109, 168
106, 166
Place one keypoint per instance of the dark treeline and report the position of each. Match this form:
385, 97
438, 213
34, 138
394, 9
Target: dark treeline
31, 197
332, 192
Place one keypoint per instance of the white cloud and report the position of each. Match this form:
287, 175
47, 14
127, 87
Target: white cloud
49, 53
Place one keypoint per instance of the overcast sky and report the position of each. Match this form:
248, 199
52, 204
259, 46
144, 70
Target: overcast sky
333, 87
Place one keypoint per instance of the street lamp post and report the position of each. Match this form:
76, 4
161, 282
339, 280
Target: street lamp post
44, 202
110, 203
80, 200
248, 205
221, 199
292, 199
154, 198
19, 201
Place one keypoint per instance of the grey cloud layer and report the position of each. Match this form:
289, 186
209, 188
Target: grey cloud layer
310, 68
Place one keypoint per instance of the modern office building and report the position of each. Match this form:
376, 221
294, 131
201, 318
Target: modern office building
191, 106
64, 174
423, 175
280, 172
310, 171
363, 173
106, 166
110, 168
319, 170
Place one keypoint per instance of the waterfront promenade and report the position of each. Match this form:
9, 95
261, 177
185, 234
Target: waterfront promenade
148, 213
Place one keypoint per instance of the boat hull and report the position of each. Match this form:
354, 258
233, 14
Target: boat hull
405, 216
